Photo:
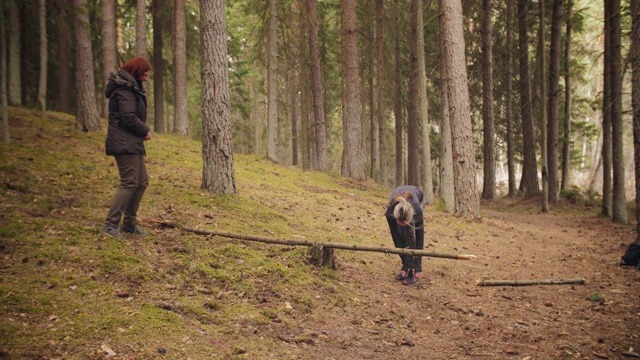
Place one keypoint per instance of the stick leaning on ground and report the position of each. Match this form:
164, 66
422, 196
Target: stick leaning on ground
352, 247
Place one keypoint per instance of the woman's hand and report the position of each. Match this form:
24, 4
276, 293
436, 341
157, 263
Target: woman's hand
148, 136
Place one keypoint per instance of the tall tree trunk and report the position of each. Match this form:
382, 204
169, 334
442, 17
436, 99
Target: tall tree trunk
397, 98
15, 57
606, 115
513, 190
489, 151
181, 115
292, 78
554, 101
218, 175
272, 83
303, 74
317, 92
635, 101
109, 57
425, 142
42, 84
447, 192
353, 155
377, 126
566, 134
141, 28
64, 57
413, 106
159, 22
618, 198
87, 118
529, 167
543, 108
466, 196
6, 136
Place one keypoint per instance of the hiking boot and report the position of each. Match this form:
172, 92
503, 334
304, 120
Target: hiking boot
410, 280
112, 231
401, 276
133, 230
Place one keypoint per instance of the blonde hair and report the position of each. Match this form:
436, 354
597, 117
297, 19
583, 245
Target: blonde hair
402, 208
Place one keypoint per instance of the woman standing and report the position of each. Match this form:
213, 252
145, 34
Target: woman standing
406, 223
128, 130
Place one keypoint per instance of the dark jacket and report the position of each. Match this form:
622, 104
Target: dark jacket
127, 115
408, 233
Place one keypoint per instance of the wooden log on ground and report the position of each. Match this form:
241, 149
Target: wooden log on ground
329, 245
487, 282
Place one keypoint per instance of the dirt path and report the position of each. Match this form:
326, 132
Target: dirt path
447, 316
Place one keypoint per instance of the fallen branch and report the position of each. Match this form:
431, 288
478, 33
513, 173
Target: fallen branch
328, 245
528, 282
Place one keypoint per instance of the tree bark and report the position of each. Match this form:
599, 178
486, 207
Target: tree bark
619, 197
529, 282
606, 115
87, 118
566, 133
413, 105
109, 57
218, 175
42, 84
425, 143
64, 57
141, 28
544, 107
317, 93
513, 189
397, 99
6, 136
446, 158
466, 196
159, 23
529, 167
181, 115
554, 101
489, 151
635, 101
304, 75
272, 83
15, 56
353, 153
378, 125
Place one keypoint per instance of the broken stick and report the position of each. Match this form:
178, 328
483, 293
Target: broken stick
528, 282
316, 243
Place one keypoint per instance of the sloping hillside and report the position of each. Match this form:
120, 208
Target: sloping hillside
69, 292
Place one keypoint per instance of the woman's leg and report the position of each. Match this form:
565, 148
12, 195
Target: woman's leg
398, 240
131, 210
128, 166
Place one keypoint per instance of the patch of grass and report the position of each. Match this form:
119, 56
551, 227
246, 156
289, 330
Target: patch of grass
595, 297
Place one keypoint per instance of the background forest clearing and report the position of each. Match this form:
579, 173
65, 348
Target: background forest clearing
68, 292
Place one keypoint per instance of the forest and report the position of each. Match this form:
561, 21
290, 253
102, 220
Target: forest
467, 99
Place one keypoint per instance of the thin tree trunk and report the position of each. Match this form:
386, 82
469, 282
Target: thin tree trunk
606, 115
513, 189
413, 106
529, 167
159, 22
15, 56
181, 115
381, 108
446, 157
6, 137
109, 57
619, 198
141, 28
425, 143
466, 196
272, 83
566, 136
303, 74
87, 118
218, 175
317, 92
543, 108
489, 151
635, 101
397, 98
42, 85
64, 57
554, 101
353, 153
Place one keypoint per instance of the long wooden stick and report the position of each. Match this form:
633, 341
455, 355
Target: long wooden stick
315, 243
529, 282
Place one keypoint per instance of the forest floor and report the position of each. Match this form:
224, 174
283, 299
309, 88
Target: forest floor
69, 292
